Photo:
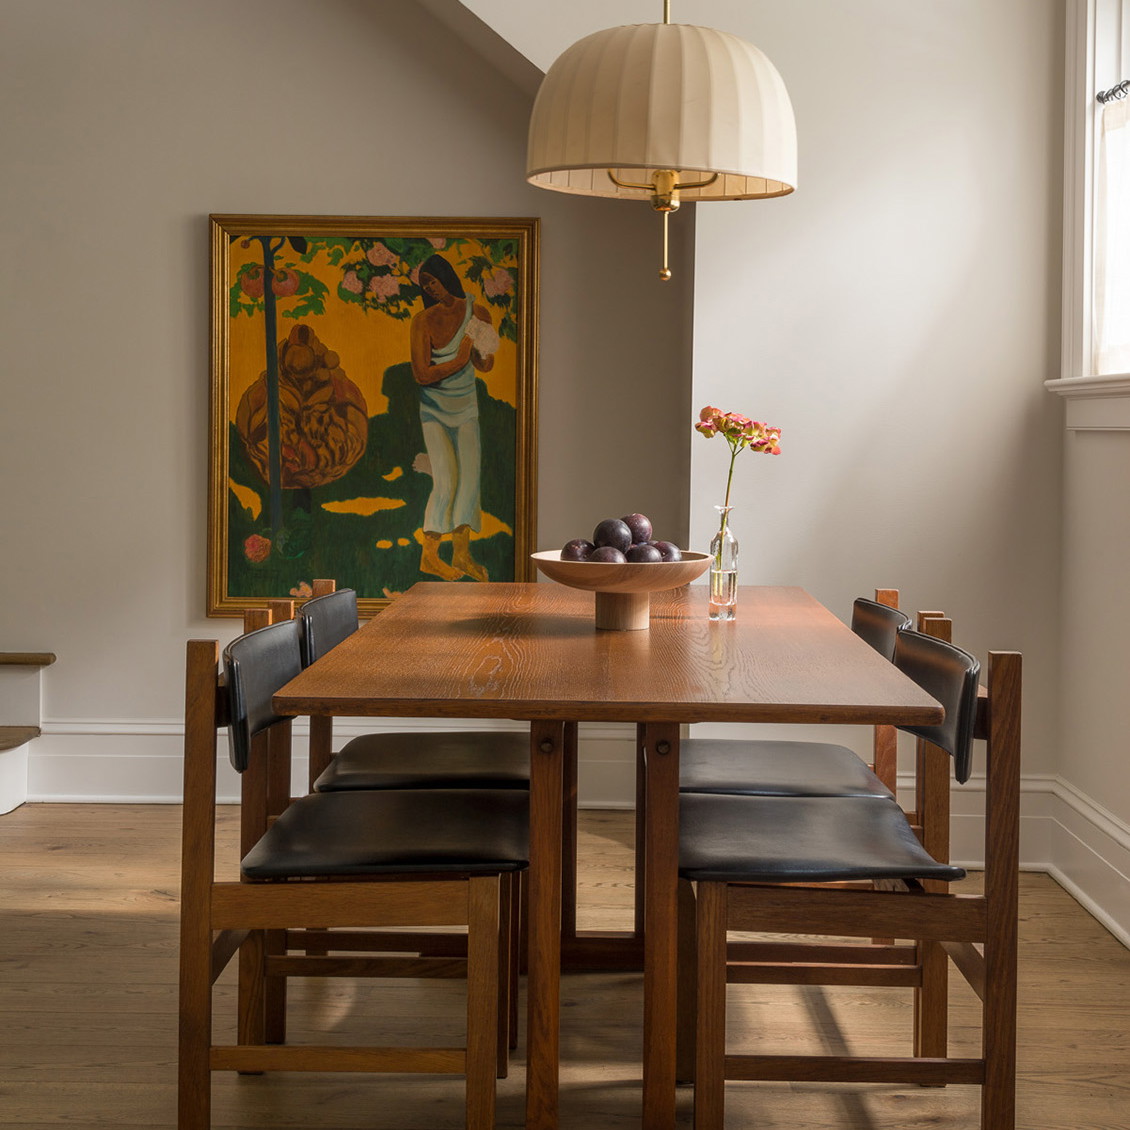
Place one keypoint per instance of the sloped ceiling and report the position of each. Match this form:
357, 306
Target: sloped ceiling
488, 42
535, 30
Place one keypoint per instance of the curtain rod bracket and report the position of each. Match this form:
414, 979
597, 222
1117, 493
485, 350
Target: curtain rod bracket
1115, 93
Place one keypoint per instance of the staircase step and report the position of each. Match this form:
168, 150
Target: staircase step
13, 736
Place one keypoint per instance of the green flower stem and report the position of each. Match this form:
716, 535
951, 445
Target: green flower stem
734, 449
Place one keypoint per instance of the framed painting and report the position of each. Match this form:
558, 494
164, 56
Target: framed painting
373, 405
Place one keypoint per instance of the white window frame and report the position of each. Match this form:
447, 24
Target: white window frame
1098, 57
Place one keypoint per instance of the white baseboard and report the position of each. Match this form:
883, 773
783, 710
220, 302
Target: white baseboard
1063, 832
141, 762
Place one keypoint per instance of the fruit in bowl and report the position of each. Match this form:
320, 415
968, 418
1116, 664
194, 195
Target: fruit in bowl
628, 538
609, 554
579, 549
622, 565
644, 553
613, 533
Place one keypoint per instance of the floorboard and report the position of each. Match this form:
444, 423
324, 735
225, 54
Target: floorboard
88, 1008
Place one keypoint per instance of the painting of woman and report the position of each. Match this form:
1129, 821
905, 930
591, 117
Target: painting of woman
451, 338
374, 398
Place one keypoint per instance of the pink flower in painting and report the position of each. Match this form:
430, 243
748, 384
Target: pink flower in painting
302, 591
257, 548
352, 282
500, 281
384, 286
380, 256
438, 244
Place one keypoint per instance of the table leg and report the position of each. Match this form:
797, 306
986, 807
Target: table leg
569, 838
661, 873
641, 825
543, 984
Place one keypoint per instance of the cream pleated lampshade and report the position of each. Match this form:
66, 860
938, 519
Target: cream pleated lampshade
663, 96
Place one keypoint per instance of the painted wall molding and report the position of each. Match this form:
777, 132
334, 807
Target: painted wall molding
1095, 404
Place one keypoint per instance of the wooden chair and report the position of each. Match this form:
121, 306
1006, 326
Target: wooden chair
772, 767
394, 760
410, 760
791, 768
426, 759
769, 865
357, 861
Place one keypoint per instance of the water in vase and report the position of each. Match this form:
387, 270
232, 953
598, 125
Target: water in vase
723, 593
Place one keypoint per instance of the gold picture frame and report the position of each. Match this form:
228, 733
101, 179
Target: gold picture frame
373, 405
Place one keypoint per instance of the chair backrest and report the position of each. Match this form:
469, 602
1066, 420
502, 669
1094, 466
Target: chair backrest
255, 666
878, 624
326, 621
951, 676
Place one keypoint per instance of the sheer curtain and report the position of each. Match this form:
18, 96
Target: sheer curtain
1112, 241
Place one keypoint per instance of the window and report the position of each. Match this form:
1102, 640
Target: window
1112, 234
1096, 323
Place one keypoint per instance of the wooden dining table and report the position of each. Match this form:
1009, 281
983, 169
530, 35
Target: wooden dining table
531, 652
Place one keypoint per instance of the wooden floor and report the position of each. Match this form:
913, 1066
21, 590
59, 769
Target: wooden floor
88, 919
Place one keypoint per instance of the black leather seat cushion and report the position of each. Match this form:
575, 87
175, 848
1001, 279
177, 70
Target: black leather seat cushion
474, 831
471, 759
774, 768
800, 839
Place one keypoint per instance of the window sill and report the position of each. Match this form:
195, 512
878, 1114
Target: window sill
1095, 403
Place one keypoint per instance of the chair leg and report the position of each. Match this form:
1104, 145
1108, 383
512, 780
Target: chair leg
931, 1003
252, 1015
687, 973
998, 1037
194, 1073
483, 938
710, 1028
524, 922
274, 992
505, 983
517, 940
998, 1092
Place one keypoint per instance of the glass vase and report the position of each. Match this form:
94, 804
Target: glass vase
724, 568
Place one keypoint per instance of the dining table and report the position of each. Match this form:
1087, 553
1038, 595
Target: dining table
531, 652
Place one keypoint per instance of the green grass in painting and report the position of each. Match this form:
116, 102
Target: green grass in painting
315, 542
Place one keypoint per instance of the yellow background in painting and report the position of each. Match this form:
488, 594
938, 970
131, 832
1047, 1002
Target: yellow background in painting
248, 498
363, 506
367, 342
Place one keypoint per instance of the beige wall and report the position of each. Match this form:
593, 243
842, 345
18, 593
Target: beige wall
126, 122
1096, 648
897, 316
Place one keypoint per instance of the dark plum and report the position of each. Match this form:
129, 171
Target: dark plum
640, 525
609, 554
579, 549
644, 554
613, 532
669, 551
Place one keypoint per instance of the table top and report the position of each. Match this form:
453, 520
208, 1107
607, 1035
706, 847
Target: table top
527, 651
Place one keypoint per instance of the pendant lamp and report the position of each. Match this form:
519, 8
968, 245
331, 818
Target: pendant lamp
665, 112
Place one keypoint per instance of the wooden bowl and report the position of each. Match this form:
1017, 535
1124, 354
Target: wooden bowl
622, 600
